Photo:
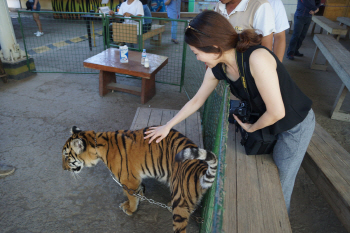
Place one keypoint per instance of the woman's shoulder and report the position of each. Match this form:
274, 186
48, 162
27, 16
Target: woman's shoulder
260, 54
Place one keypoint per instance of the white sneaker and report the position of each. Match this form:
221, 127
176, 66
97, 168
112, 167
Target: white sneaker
36, 32
39, 33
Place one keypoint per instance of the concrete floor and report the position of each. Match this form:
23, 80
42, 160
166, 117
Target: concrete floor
37, 114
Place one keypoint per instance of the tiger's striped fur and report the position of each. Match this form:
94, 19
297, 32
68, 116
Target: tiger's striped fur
176, 160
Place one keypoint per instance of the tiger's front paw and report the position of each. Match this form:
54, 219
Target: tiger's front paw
126, 208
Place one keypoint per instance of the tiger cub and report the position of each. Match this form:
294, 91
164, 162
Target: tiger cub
176, 160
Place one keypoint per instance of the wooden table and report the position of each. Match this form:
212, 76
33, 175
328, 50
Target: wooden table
108, 63
330, 26
345, 21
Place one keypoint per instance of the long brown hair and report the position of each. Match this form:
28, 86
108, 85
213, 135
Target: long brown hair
209, 28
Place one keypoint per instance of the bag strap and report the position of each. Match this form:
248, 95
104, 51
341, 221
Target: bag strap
240, 62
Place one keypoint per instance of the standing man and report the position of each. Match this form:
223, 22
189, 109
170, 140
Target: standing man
173, 8
36, 7
250, 14
281, 24
302, 19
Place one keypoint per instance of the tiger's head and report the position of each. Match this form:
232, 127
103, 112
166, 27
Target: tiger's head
78, 151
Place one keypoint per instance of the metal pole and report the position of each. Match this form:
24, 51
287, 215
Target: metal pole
9, 47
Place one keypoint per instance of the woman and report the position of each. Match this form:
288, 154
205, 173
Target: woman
283, 108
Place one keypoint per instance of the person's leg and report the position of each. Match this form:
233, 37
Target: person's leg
37, 20
289, 152
36, 17
307, 22
174, 31
298, 27
146, 27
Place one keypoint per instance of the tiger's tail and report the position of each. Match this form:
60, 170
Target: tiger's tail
207, 180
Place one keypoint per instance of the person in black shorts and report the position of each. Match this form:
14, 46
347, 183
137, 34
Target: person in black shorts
35, 6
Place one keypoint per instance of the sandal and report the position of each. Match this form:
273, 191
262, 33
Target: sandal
174, 41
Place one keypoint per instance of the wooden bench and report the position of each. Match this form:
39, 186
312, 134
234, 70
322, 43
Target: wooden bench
328, 165
182, 14
345, 21
127, 33
254, 200
330, 26
108, 63
338, 57
191, 127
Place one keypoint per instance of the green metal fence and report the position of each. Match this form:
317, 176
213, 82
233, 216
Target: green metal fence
156, 40
71, 37
214, 127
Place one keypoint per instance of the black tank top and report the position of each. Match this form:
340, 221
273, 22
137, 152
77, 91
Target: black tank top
297, 105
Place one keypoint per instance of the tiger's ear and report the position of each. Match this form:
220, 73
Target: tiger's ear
74, 130
78, 146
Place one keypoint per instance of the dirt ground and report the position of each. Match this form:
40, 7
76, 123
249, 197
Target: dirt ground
38, 112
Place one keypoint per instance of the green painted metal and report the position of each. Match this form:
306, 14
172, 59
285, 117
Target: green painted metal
24, 42
215, 126
65, 28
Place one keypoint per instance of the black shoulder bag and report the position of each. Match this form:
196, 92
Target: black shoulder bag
260, 141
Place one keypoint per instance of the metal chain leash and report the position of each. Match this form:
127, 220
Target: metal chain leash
141, 197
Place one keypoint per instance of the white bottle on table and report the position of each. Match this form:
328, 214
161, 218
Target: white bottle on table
143, 57
146, 62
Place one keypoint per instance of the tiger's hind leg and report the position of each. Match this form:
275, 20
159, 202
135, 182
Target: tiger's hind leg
181, 217
130, 206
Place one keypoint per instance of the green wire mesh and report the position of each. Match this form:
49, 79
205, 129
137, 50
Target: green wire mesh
215, 127
69, 39
160, 39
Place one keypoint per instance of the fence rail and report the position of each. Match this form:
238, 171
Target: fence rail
71, 37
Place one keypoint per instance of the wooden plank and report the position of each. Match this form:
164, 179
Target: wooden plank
329, 26
108, 60
132, 127
336, 114
124, 88
344, 20
275, 217
229, 224
331, 172
253, 196
156, 117
337, 56
192, 128
249, 210
181, 127
327, 189
337, 150
182, 14
155, 30
142, 118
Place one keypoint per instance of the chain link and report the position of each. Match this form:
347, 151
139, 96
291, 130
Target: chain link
143, 198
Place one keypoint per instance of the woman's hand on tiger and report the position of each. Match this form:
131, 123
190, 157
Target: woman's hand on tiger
245, 126
157, 133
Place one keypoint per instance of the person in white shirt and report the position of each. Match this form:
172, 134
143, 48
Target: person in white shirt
281, 24
130, 8
250, 14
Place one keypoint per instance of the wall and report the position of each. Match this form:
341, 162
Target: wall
337, 8
290, 6
13, 4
